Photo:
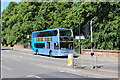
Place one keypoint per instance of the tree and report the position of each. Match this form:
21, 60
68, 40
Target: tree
20, 20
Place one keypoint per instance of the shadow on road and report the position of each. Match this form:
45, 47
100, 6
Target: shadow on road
64, 56
54, 56
6, 49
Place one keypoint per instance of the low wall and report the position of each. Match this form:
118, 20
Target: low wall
18, 46
115, 53
21, 46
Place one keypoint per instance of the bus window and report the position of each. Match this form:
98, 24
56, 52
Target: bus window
48, 45
39, 45
45, 33
56, 46
66, 45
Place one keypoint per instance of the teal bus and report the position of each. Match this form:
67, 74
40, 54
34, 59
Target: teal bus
53, 42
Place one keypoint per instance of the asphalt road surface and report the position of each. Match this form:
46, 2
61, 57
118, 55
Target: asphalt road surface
17, 64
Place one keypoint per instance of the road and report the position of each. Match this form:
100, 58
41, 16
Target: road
17, 64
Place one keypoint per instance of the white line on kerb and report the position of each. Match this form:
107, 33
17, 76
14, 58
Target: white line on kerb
37, 77
7, 68
81, 74
30, 76
76, 73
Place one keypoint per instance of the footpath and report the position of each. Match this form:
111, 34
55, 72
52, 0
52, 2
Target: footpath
86, 69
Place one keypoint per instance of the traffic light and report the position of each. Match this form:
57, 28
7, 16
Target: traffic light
92, 44
86, 30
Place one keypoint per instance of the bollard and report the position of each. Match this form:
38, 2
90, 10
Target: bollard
70, 60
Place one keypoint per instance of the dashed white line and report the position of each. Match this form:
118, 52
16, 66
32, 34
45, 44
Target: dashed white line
42, 65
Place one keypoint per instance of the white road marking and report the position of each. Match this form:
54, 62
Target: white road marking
42, 65
60, 59
37, 77
40, 56
79, 74
62, 71
30, 76
8, 51
49, 57
7, 68
75, 73
7, 61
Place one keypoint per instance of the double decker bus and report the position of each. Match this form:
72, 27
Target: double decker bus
53, 42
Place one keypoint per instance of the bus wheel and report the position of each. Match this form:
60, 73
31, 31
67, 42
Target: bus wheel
50, 53
36, 52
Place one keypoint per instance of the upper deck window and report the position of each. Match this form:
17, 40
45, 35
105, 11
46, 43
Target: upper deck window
45, 33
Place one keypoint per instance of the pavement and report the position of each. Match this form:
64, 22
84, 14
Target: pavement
88, 70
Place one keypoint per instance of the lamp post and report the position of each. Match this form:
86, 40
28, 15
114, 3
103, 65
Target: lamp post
28, 36
92, 45
91, 38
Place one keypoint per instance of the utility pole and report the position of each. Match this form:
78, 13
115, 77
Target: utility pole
79, 25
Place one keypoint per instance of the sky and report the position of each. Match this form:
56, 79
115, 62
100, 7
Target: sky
5, 3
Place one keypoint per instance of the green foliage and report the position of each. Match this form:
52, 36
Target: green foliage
21, 19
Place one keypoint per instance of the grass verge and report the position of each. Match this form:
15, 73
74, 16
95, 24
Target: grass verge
5, 47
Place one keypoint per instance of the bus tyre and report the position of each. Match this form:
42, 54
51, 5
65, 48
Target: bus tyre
36, 52
50, 53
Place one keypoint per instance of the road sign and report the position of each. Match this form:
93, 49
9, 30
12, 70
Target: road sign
79, 37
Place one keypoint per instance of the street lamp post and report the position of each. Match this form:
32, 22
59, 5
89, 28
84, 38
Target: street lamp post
28, 36
79, 25
91, 37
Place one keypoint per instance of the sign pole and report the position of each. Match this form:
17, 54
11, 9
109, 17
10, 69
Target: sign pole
92, 44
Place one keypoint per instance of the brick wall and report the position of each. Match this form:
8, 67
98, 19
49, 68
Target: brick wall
115, 53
